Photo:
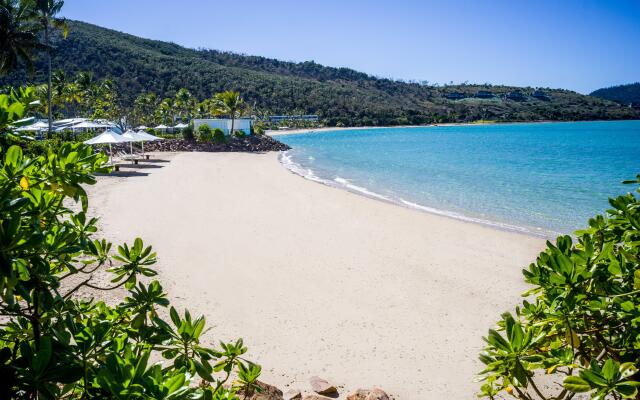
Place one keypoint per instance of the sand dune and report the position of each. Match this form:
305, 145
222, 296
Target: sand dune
319, 281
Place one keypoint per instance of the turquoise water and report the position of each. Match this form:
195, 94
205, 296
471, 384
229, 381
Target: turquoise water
540, 178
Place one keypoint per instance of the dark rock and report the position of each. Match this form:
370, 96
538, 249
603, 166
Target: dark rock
321, 386
251, 144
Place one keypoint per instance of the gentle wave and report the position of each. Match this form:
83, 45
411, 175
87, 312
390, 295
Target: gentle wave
343, 183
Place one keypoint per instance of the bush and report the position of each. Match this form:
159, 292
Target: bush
239, 133
219, 136
205, 134
258, 128
581, 320
54, 344
187, 133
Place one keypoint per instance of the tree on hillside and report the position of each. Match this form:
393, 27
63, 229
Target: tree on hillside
46, 11
18, 36
231, 104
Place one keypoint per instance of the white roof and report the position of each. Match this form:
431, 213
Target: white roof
161, 126
181, 125
34, 127
108, 136
90, 124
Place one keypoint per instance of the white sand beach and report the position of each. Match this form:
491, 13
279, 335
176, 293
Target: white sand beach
320, 281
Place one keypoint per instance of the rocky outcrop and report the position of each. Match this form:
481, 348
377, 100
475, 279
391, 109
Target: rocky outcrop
251, 144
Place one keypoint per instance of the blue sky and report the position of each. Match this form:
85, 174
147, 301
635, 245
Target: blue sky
573, 44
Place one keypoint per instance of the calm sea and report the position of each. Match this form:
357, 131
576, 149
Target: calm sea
541, 178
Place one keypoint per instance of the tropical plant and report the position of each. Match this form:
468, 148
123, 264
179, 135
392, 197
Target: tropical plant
18, 35
184, 103
205, 134
46, 12
55, 341
187, 132
580, 320
231, 104
219, 136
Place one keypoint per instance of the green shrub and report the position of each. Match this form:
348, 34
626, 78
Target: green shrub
219, 136
56, 345
581, 320
239, 133
258, 128
205, 134
187, 133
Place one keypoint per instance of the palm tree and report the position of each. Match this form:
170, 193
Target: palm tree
18, 35
183, 102
46, 11
230, 103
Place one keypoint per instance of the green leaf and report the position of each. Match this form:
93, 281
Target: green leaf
576, 384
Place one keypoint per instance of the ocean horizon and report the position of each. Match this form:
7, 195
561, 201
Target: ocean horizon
537, 178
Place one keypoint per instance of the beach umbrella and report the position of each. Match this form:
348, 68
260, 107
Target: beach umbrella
141, 127
107, 137
180, 126
146, 137
161, 127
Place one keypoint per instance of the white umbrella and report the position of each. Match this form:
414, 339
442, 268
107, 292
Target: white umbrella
161, 127
107, 137
141, 127
141, 136
181, 125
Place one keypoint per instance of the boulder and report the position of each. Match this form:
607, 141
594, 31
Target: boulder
321, 386
316, 397
267, 392
366, 394
360, 394
377, 394
292, 394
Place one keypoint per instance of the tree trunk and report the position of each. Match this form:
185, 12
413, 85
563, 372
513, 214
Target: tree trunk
233, 120
49, 106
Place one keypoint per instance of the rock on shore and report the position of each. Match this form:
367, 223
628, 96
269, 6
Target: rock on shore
252, 143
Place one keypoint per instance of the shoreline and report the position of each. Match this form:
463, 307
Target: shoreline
296, 131
319, 281
297, 169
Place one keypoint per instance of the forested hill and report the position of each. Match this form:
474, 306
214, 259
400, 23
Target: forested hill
623, 94
338, 95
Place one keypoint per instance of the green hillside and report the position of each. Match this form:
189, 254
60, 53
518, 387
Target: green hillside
623, 94
338, 95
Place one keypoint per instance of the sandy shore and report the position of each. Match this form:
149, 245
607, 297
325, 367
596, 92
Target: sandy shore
319, 281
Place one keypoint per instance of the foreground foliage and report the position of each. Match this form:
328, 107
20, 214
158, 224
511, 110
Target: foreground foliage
578, 331
55, 343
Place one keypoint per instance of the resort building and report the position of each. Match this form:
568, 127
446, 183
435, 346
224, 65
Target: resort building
484, 94
240, 124
455, 96
540, 95
516, 95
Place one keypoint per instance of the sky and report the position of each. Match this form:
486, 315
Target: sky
573, 44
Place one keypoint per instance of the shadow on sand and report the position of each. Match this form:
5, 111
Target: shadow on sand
125, 174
